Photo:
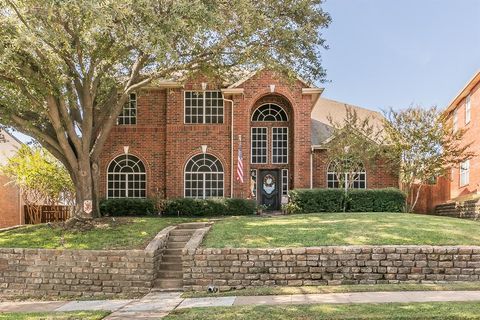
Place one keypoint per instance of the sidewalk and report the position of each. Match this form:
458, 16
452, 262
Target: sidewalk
156, 305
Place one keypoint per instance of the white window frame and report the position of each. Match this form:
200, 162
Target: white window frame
272, 134
254, 196
251, 145
204, 106
464, 173
468, 111
269, 104
127, 174
455, 120
203, 179
346, 178
128, 107
285, 185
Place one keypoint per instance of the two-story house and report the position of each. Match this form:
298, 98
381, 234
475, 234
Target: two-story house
464, 112
182, 139
11, 212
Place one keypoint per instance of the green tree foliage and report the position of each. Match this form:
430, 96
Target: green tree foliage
41, 178
356, 142
424, 146
68, 67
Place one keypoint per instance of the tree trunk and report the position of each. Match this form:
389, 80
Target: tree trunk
86, 184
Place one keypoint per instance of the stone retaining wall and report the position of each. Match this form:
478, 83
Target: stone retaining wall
49, 272
465, 210
239, 268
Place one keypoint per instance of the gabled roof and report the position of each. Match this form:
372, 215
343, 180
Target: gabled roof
8, 147
325, 109
245, 75
475, 80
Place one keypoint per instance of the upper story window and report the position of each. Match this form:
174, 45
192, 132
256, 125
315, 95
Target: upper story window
203, 107
269, 112
129, 113
465, 173
467, 110
455, 120
355, 180
280, 145
259, 145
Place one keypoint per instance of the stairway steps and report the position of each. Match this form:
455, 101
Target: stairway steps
169, 274
171, 266
171, 259
173, 252
168, 283
176, 245
179, 238
192, 225
184, 232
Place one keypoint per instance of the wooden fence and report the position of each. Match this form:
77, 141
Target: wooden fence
50, 214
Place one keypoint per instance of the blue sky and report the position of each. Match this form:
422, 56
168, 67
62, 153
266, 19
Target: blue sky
392, 53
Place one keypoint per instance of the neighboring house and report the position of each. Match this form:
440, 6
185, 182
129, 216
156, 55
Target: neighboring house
183, 139
464, 112
11, 213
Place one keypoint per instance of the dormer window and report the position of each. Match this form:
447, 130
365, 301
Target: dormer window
203, 107
129, 112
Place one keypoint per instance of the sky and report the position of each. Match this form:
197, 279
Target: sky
392, 53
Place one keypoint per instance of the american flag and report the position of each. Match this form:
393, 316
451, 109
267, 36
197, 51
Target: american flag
240, 163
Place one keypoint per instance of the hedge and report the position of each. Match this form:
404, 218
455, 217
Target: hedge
356, 200
127, 207
376, 200
209, 207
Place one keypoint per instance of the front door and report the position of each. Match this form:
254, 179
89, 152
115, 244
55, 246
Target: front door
269, 187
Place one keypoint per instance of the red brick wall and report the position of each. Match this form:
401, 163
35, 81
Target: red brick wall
473, 131
10, 209
378, 176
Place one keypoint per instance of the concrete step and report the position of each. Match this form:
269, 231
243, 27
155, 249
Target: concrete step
173, 252
170, 266
182, 232
179, 238
154, 289
176, 245
169, 274
192, 225
168, 283
172, 259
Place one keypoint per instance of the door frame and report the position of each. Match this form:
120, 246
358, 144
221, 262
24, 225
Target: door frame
278, 187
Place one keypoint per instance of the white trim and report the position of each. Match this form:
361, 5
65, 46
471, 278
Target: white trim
464, 171
271, 149
346, 177
287, 184
144, 173
203, 173
251, 145
256, 183
204, 99
283, 109
468, 109
455, 120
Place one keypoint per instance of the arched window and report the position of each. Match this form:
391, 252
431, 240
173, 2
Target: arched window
356, 179
203, 177
269, 112
126, 178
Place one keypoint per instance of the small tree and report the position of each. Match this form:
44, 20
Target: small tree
424, 146
41, 178
355, 143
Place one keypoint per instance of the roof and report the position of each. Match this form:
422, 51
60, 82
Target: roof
8, 146
325, 109
464, 92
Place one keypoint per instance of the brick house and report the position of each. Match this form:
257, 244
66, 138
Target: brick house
11, 213
182, 139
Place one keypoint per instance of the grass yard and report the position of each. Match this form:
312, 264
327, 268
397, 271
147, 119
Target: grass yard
309, 230
278, 290
121, 233
457, 310
78, 315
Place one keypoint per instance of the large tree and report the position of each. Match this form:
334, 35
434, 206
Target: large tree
67, 67
424, 145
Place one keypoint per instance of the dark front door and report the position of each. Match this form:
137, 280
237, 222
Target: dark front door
269, 187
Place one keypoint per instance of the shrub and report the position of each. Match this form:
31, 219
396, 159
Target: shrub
357, 200
316, 200
209, 207
127, 207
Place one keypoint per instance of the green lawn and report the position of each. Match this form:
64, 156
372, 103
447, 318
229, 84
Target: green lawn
78, 315
457, 310
320, 229
121, 233
278, 290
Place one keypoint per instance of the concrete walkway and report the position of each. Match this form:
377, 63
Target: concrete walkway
156, 305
